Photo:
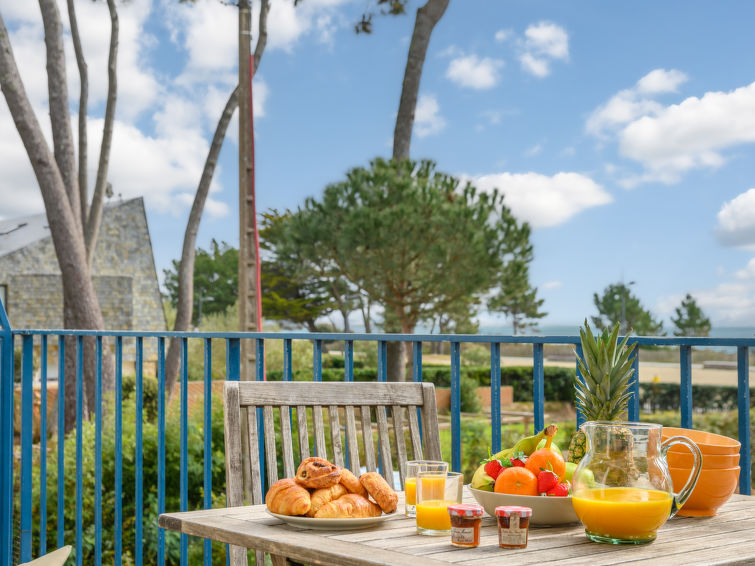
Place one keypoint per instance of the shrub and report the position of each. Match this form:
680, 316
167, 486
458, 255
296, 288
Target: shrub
470, 402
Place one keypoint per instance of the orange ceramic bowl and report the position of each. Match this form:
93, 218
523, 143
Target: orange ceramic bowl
713, 489
710, 461
707, 442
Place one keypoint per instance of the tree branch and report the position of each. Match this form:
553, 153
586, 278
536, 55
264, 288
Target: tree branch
95, 214
83, 101
57, 87
427, 16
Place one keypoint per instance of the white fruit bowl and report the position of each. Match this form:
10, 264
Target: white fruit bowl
546, 511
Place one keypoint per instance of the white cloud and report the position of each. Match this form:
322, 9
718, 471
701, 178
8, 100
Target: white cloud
544, 200
691, 134
543, 43
726, 304
669, 141
471, 71
534, 150
427, 118
736, 221
630, 104
660, 81
503, 34
748, 272
550, 285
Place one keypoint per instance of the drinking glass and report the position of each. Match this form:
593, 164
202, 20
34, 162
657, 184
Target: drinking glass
435, 492
413, 469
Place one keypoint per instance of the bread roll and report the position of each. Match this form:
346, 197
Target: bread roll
286, 497
349, 506
325, 495
351, 483
316, 473
380, 491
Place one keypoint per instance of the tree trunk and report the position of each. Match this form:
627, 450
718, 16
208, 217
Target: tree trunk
185, 304
427, 16
78, 291
57, 88
83, 101
93, 221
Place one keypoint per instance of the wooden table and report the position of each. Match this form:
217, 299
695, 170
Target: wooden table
727, 538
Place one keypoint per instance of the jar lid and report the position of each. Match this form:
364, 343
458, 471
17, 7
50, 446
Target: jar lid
508, 510
464, 510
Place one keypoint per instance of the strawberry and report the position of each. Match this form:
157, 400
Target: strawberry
561, 490
546, 481
518, 462
493, 467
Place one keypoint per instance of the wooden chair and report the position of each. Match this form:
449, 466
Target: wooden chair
355, 401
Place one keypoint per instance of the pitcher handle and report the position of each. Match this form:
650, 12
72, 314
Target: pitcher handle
686, 491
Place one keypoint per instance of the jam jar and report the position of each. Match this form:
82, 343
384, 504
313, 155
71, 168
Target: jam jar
465, 525
513, 526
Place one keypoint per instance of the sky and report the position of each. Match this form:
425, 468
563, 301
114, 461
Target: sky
622, 132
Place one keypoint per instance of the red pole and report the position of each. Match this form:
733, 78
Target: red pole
258, 274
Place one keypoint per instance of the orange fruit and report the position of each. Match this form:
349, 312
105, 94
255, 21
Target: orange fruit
546, 459
516, 481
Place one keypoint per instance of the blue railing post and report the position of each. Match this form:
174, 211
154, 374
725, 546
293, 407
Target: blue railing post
27, 426
139, 456
743, 406
160, 446
184, 447
495, 396
118, 519
43, 450
6, 439
207, 441
455, 406
61, 438
634, 400
685, 390
79, 447
538, 386
98, 455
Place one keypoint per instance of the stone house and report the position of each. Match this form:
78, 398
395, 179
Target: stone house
123, 273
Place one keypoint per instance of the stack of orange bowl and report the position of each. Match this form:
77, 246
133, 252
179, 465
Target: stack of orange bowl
719, 475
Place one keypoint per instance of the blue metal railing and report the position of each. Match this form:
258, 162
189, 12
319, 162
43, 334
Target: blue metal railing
23, 529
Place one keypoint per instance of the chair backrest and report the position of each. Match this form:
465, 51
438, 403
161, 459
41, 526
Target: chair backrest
354, 401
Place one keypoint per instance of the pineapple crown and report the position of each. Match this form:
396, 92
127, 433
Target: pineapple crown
606, 368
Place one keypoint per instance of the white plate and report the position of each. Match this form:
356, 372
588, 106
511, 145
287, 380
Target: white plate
546, 511
330, 524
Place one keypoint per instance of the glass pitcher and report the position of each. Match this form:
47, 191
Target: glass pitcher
622, 491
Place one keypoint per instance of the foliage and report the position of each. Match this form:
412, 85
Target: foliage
516, 298
469, 401
292, 287
216, 280
656, 397
414, 239
618, 300
172, 456
690, 319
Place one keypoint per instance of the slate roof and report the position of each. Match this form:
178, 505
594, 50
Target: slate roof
17, 233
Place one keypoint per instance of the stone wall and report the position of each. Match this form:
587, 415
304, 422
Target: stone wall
124, 278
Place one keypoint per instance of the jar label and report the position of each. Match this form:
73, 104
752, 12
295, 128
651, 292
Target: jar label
462, 535
514, 535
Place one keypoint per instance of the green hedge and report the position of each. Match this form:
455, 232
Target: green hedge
665, 397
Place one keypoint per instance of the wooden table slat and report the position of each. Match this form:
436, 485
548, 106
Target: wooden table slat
726, 538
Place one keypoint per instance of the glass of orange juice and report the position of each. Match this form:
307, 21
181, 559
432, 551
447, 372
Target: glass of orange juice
435, 492
413, 469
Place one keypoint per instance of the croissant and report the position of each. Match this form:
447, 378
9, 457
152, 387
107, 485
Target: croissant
349, 506
325, 495
316, 473
351, 483
380, 491
286, 497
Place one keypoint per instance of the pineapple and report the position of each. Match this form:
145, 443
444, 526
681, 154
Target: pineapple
606, 367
